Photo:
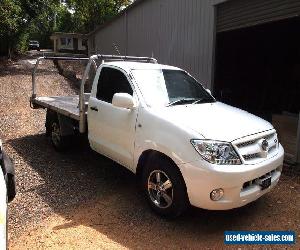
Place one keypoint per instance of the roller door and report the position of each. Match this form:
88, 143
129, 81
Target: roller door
236, 14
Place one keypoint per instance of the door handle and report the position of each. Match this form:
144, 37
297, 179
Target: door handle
94, 108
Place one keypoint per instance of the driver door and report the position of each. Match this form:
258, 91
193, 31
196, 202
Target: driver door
112, 129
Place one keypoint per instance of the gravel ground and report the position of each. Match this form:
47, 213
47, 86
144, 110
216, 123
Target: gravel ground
81, 200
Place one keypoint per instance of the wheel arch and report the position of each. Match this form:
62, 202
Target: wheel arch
147, 154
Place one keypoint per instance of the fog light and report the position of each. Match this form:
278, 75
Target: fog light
216, 194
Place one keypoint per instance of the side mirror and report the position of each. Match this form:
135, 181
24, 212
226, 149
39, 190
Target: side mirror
208, 90
123, 100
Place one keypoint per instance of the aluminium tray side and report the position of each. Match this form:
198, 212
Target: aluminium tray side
65, 105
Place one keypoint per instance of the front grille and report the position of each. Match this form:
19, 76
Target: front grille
251, 156
252, 150
244, 144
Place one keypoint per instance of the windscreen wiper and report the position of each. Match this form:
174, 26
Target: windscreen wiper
181, 101
202, 100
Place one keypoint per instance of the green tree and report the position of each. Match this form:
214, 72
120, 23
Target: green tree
87, 14
21, 20
10, 22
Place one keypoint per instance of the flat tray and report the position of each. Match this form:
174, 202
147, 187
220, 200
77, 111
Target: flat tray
66, 105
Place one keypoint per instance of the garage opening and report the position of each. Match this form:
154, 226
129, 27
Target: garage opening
258, 69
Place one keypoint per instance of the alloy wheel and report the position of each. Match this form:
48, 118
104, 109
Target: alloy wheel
160, 189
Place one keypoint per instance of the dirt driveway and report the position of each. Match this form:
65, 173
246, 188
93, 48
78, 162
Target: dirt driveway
80, 200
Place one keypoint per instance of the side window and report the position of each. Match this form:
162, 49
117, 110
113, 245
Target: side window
112, 81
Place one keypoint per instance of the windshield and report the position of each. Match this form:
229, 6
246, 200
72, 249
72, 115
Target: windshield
164, 87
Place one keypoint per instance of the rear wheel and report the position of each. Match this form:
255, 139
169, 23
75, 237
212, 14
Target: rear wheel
164, 187
59, 142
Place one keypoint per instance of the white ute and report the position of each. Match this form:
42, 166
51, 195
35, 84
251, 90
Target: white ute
160, 123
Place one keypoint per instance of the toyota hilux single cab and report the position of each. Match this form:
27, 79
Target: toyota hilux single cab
162, 124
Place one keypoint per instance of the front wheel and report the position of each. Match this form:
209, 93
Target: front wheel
164, 187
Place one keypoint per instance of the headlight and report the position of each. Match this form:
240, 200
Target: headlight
215, 152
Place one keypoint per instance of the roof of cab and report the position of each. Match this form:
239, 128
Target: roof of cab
129, 65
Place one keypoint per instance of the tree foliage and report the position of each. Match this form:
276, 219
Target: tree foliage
10, 23
10, 19
85, 15
21, 20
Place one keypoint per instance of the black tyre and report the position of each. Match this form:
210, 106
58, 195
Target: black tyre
11, 187
59, 142
164, 187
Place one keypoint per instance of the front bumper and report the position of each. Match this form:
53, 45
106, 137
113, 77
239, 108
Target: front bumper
201, 178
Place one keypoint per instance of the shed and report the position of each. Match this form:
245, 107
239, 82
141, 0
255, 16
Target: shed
246, 52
